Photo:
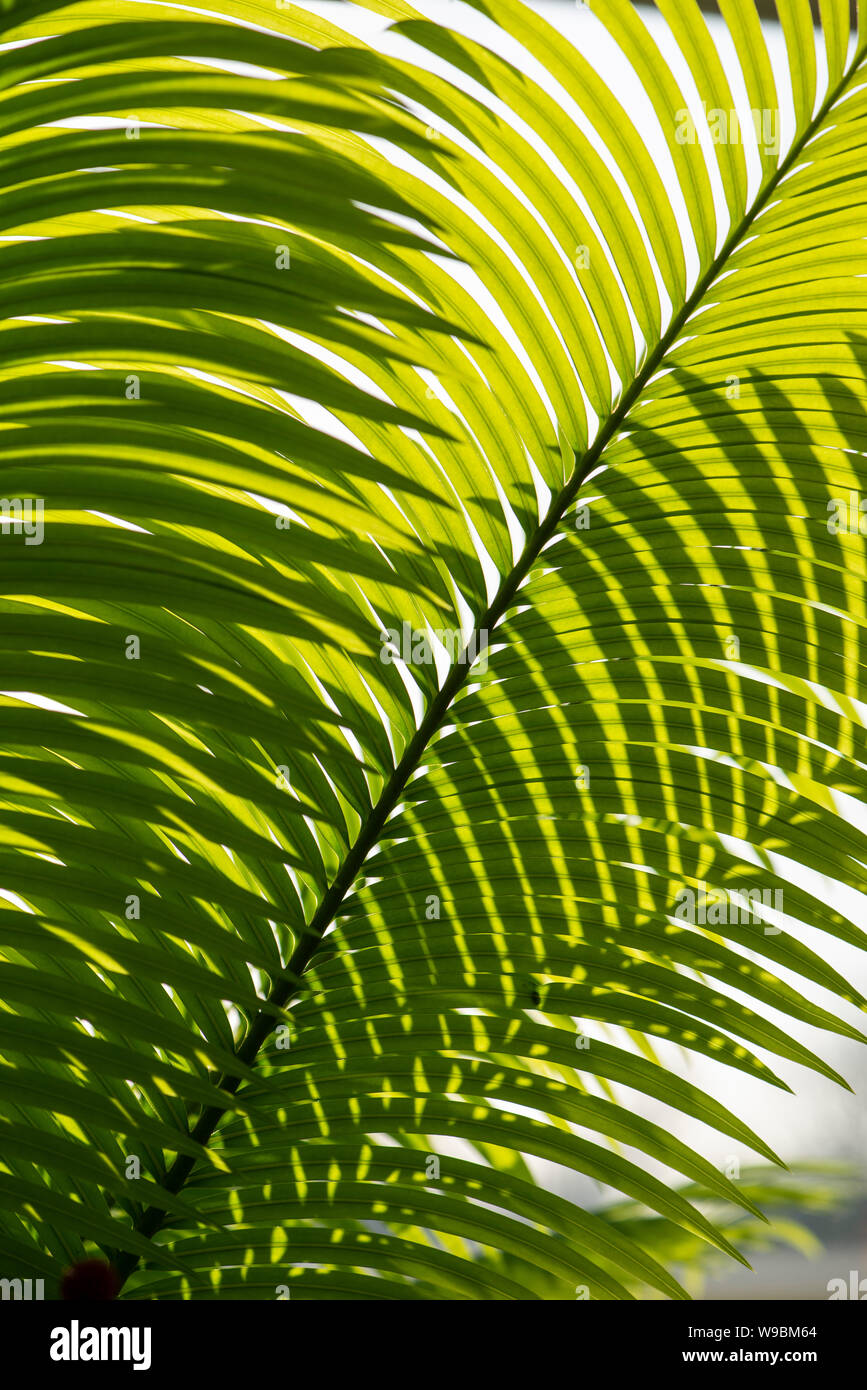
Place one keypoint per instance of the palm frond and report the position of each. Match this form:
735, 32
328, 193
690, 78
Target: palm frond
308, 954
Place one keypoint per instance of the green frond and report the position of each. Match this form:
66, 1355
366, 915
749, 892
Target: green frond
311, 953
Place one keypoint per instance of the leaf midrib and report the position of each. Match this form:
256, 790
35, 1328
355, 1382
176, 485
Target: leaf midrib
153, 1218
